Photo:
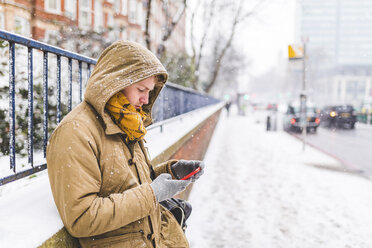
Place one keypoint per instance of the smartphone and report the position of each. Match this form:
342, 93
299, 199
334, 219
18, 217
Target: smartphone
191, 174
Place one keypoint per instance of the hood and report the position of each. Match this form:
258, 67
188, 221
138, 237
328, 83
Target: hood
120, 65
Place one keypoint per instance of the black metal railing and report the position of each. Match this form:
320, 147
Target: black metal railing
46, 49
174, 100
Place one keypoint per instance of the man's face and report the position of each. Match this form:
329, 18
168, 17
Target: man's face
138, 93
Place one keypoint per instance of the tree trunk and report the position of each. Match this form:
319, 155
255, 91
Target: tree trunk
170, 28
147, 29
237, 19
196, 59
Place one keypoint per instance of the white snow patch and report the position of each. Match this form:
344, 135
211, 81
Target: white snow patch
258, 190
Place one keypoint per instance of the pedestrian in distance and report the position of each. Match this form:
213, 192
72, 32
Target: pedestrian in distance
227, 106
105, 188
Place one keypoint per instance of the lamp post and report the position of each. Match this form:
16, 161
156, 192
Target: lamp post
303, 96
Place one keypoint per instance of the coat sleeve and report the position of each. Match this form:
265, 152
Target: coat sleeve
75, 179
164, 167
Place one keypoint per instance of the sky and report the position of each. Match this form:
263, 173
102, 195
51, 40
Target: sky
259, 190
263, 38
266, 36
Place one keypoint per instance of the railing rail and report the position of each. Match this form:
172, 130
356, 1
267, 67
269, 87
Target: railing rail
174, 100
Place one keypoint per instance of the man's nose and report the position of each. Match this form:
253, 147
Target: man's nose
145, 99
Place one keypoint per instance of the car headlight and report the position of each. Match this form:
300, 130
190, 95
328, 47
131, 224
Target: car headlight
333, 114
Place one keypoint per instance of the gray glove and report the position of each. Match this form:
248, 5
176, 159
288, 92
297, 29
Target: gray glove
184, 167
165, 187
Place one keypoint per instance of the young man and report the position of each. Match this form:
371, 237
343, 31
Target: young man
105, 188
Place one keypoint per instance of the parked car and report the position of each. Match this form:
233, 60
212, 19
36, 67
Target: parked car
291, 120
339, 116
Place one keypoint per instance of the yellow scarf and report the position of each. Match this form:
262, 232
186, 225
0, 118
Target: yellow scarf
127, 117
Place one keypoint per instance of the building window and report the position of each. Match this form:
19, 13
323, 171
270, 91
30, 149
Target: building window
2, 22
133, 36
110, 21
139, 17
53, 6
70, 9
85, 13
98, 16
22, 26
114, 31
132, 10
51, 37
117, 6
124, 7
124, 33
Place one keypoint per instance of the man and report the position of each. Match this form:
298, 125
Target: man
104, 186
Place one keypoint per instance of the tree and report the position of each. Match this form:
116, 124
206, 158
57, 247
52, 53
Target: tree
86, 42
230, 15
179, 68
228, 80
171, 20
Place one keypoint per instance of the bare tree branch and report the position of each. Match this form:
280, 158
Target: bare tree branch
197, 58
169, 28
147, 29
193, 56
238, 18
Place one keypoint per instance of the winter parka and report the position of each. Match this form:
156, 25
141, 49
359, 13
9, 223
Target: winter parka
100, 184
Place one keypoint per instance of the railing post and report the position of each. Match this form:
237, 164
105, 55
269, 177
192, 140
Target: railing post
45, 97
80, 81
70, 84
12, 106
88, 71
58, 89
30, 129
161, 104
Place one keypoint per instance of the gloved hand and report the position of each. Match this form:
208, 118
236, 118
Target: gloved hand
165, 187
185, 167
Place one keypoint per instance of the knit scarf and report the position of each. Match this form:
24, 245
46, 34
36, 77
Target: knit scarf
127, 117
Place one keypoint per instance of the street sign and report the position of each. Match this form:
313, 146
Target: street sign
295, 52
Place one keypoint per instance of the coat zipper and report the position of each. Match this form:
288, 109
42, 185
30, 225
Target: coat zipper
139, 179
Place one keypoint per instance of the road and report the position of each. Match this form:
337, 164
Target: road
351, 147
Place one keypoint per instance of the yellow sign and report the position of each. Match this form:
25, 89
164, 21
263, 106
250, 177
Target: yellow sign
295, 52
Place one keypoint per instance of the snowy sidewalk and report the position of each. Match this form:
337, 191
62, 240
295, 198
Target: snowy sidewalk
260, 190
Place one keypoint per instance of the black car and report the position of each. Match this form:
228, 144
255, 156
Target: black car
291, 120
339, 116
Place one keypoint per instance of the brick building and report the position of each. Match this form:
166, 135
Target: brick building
115, 19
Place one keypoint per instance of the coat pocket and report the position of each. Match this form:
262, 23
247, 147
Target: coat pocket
136, 239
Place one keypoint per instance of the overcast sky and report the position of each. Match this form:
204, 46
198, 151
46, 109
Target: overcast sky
266, 36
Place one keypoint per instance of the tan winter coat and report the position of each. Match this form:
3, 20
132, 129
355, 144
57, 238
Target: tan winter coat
101, 190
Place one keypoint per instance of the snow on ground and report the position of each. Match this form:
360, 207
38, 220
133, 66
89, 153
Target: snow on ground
260, 190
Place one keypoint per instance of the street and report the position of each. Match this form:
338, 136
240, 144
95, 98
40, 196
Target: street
261, 190
351, 147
